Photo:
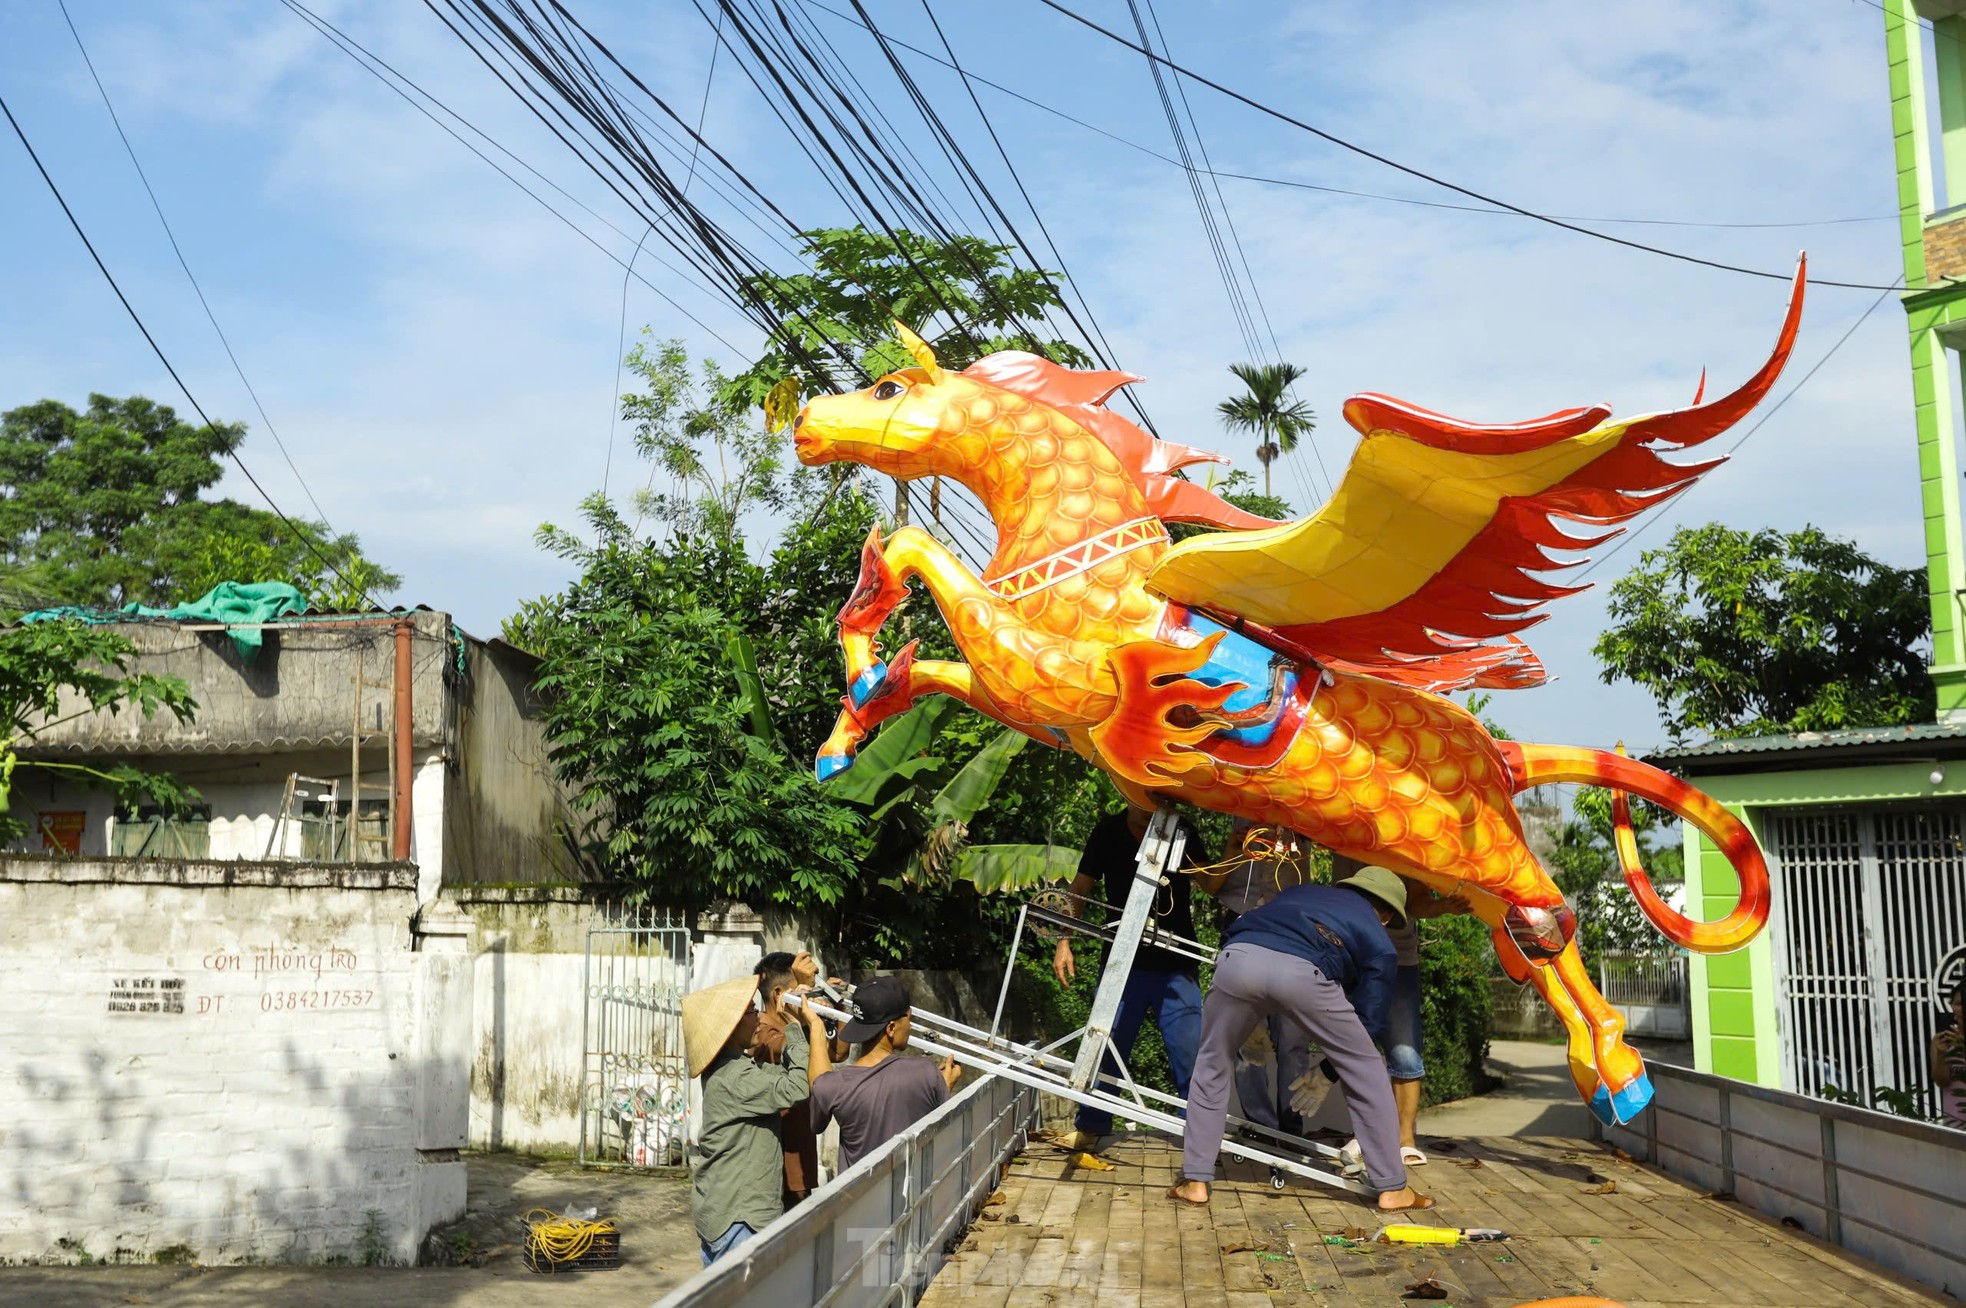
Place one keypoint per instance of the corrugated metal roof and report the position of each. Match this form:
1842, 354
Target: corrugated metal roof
1857, 738
188, 744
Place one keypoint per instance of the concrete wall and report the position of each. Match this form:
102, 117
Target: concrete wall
298, 691
506, 821
528, 986
225, 1062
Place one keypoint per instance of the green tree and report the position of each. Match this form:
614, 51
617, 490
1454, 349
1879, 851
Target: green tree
1266, 410
54, 672
649, 728
966, 297
719, 459
1750, 633
103, 508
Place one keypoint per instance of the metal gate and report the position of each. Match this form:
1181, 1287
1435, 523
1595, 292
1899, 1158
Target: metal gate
634, 1079
1868, 902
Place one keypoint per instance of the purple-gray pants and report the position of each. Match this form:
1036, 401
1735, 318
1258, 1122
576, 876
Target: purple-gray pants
1250, 984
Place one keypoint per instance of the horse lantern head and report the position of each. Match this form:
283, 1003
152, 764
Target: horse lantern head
899, 425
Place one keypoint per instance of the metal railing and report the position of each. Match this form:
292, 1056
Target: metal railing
876, 1234
1888, 1188
1649, 988
634, 1078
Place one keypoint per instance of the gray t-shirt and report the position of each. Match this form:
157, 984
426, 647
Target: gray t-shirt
875, 1104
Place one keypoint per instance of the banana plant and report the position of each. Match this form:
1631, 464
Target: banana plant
919, 795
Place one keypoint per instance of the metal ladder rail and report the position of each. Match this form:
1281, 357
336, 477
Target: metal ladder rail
1160, 856
1059, 1084
975, 1048
1155, 861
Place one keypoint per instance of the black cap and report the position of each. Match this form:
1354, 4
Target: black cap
879, 1001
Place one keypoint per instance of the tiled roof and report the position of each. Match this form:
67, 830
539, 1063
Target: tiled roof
1857, 738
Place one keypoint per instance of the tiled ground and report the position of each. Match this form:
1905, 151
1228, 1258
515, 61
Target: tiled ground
1111, 1237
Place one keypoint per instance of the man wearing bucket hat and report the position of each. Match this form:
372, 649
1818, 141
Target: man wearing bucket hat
1320, 956
738, 1183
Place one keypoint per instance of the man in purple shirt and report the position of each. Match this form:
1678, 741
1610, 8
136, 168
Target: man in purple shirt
883, 1092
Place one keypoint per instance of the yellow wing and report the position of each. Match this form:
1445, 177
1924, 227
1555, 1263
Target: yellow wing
1431, 544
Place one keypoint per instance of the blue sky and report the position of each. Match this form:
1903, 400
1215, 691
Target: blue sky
438, 353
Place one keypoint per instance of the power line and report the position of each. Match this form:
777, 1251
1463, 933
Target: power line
1018, 181
189, 275
349, 46
162, 358
1423, 175
620, 344
1569, 217
1766, 414
1130, 144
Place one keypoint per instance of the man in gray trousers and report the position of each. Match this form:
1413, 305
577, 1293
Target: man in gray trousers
1320, 957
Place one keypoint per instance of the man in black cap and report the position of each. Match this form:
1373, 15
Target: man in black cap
1320, 956
878, 1095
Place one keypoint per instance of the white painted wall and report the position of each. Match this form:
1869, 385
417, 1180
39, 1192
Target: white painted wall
244, 1070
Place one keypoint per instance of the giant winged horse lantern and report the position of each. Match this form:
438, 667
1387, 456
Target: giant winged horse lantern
1290, 673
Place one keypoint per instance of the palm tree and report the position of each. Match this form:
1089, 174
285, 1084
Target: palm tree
1263, 408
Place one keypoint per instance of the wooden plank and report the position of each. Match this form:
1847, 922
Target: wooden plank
1160, 1262
1201, 1259
1520, 1282
1629, 1279
1085, 1243
1119, 1280
1560, 1264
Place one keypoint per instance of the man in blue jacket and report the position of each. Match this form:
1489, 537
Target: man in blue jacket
1320, 957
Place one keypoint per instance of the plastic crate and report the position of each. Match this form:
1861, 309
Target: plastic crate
604, 1253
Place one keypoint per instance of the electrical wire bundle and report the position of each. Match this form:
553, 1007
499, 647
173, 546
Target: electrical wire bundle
558, 1243
639, 146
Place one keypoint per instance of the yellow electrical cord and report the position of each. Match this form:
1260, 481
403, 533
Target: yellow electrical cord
558, 1239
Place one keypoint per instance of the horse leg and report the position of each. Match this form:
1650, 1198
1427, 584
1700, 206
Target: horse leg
875, 595
1579, 1048
894, 691
1623, 1088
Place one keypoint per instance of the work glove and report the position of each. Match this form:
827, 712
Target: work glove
1309, 1091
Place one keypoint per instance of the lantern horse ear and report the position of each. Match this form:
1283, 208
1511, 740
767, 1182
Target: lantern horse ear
924, 357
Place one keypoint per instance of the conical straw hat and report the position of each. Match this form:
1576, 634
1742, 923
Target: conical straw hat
710, 1015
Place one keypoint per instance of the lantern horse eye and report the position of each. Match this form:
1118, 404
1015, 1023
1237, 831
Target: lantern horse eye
887, 390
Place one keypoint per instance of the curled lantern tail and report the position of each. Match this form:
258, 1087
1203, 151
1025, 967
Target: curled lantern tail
1534, 765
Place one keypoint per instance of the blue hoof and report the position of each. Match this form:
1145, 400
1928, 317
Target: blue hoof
1615, 1110
828, 766
865, 685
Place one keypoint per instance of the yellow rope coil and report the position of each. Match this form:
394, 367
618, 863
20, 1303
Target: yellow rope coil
560, 1239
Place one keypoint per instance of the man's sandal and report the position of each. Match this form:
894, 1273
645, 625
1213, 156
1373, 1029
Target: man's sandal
1419, 1201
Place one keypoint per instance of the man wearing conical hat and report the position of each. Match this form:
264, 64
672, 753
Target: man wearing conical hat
738, 1160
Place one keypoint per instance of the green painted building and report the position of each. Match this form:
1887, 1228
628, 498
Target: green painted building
1865, 831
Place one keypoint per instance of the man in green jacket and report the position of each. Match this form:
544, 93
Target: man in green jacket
739, 1160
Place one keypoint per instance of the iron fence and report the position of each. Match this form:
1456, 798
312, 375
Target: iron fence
634, 1085
1868, 903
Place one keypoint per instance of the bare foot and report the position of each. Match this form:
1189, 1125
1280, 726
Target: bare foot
1397, 1201
1192, 1193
